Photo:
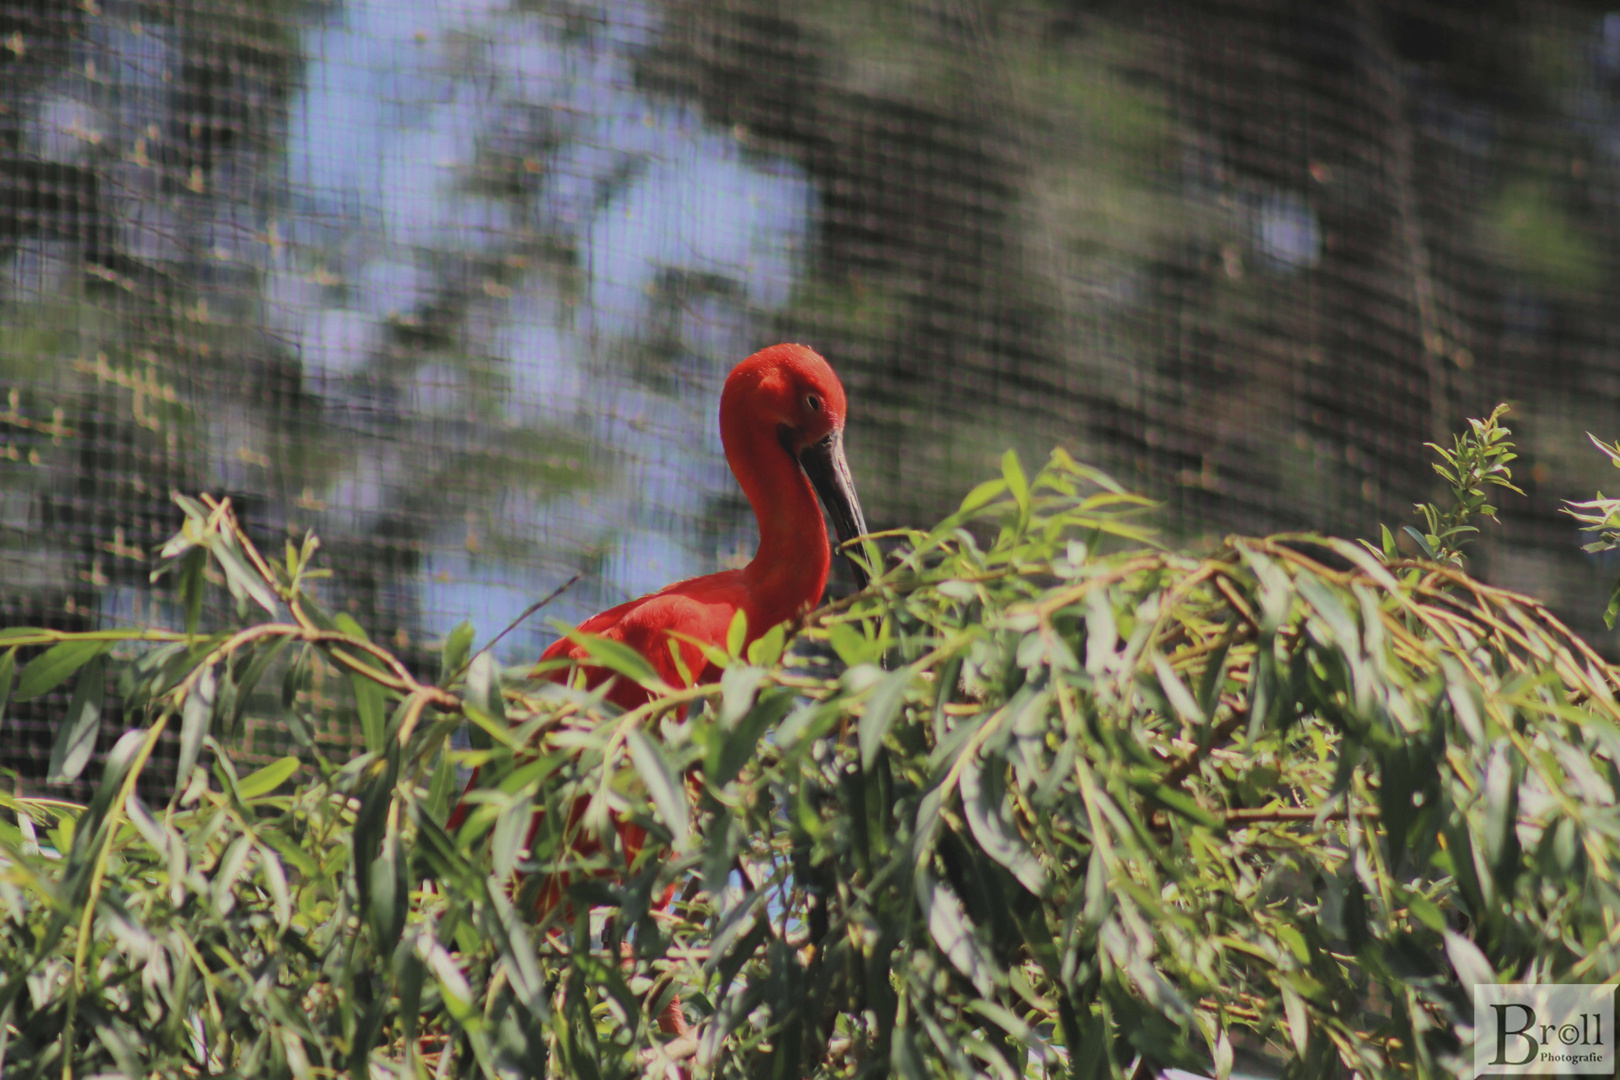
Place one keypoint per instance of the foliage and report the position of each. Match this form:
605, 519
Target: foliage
1065, 804
1601, 516
1479, 456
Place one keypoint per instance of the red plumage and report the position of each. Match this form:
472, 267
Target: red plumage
782, 415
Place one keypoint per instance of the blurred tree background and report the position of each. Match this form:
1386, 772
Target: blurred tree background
456, 284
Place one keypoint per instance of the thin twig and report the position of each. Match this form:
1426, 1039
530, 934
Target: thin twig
530, 610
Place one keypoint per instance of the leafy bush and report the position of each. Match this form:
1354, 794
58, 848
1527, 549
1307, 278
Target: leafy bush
1065, 804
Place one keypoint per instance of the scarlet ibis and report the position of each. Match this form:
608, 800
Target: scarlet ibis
782, 424
782, 415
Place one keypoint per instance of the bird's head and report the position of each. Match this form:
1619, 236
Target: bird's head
791, 391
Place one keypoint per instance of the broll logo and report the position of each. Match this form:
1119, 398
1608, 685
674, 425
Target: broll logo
1544, 1029
1589, 1032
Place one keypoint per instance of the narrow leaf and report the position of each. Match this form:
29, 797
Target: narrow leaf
621, 659
190, 584
456, 647
194, 717
1472, 968
953, 932
1176, 691
881, 709
368, 700
242, 579
990, 818
1422, 543
980, 496
1299, 1031
267, 779
275, 879
655, 771
51, 668
484, 690
76, 739
1017, 482
1179, 802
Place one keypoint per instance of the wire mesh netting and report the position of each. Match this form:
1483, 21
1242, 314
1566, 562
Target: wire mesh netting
456, 284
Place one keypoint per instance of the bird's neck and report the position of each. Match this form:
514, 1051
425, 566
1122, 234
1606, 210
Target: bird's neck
789, 569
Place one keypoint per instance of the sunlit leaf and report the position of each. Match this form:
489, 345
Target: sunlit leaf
737, 633
267, 779
988, 815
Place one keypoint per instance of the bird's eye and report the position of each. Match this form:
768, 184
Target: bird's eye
813, 402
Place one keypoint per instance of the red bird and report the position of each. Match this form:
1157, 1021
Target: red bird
782, 423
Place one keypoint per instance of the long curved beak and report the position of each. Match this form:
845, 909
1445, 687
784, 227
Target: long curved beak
823, 462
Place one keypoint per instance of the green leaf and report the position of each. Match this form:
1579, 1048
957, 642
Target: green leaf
1500, 837
1176, 692
76, 738
441, 786
1463, 693
241, 579
989, 816
1017, 482
275, 879
1422, 543
390, 896
194, 716
735, 746
767, 649
368, 700
346, 624
852, 646
222, 890
981, 496
120, 759
621, 659
737, 633
457, 644
955, 934
263, 656
1179, 802
267, 779
51, 668
484, 688
662, 784
881, 709
507, 840
191, 583
1334, 614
